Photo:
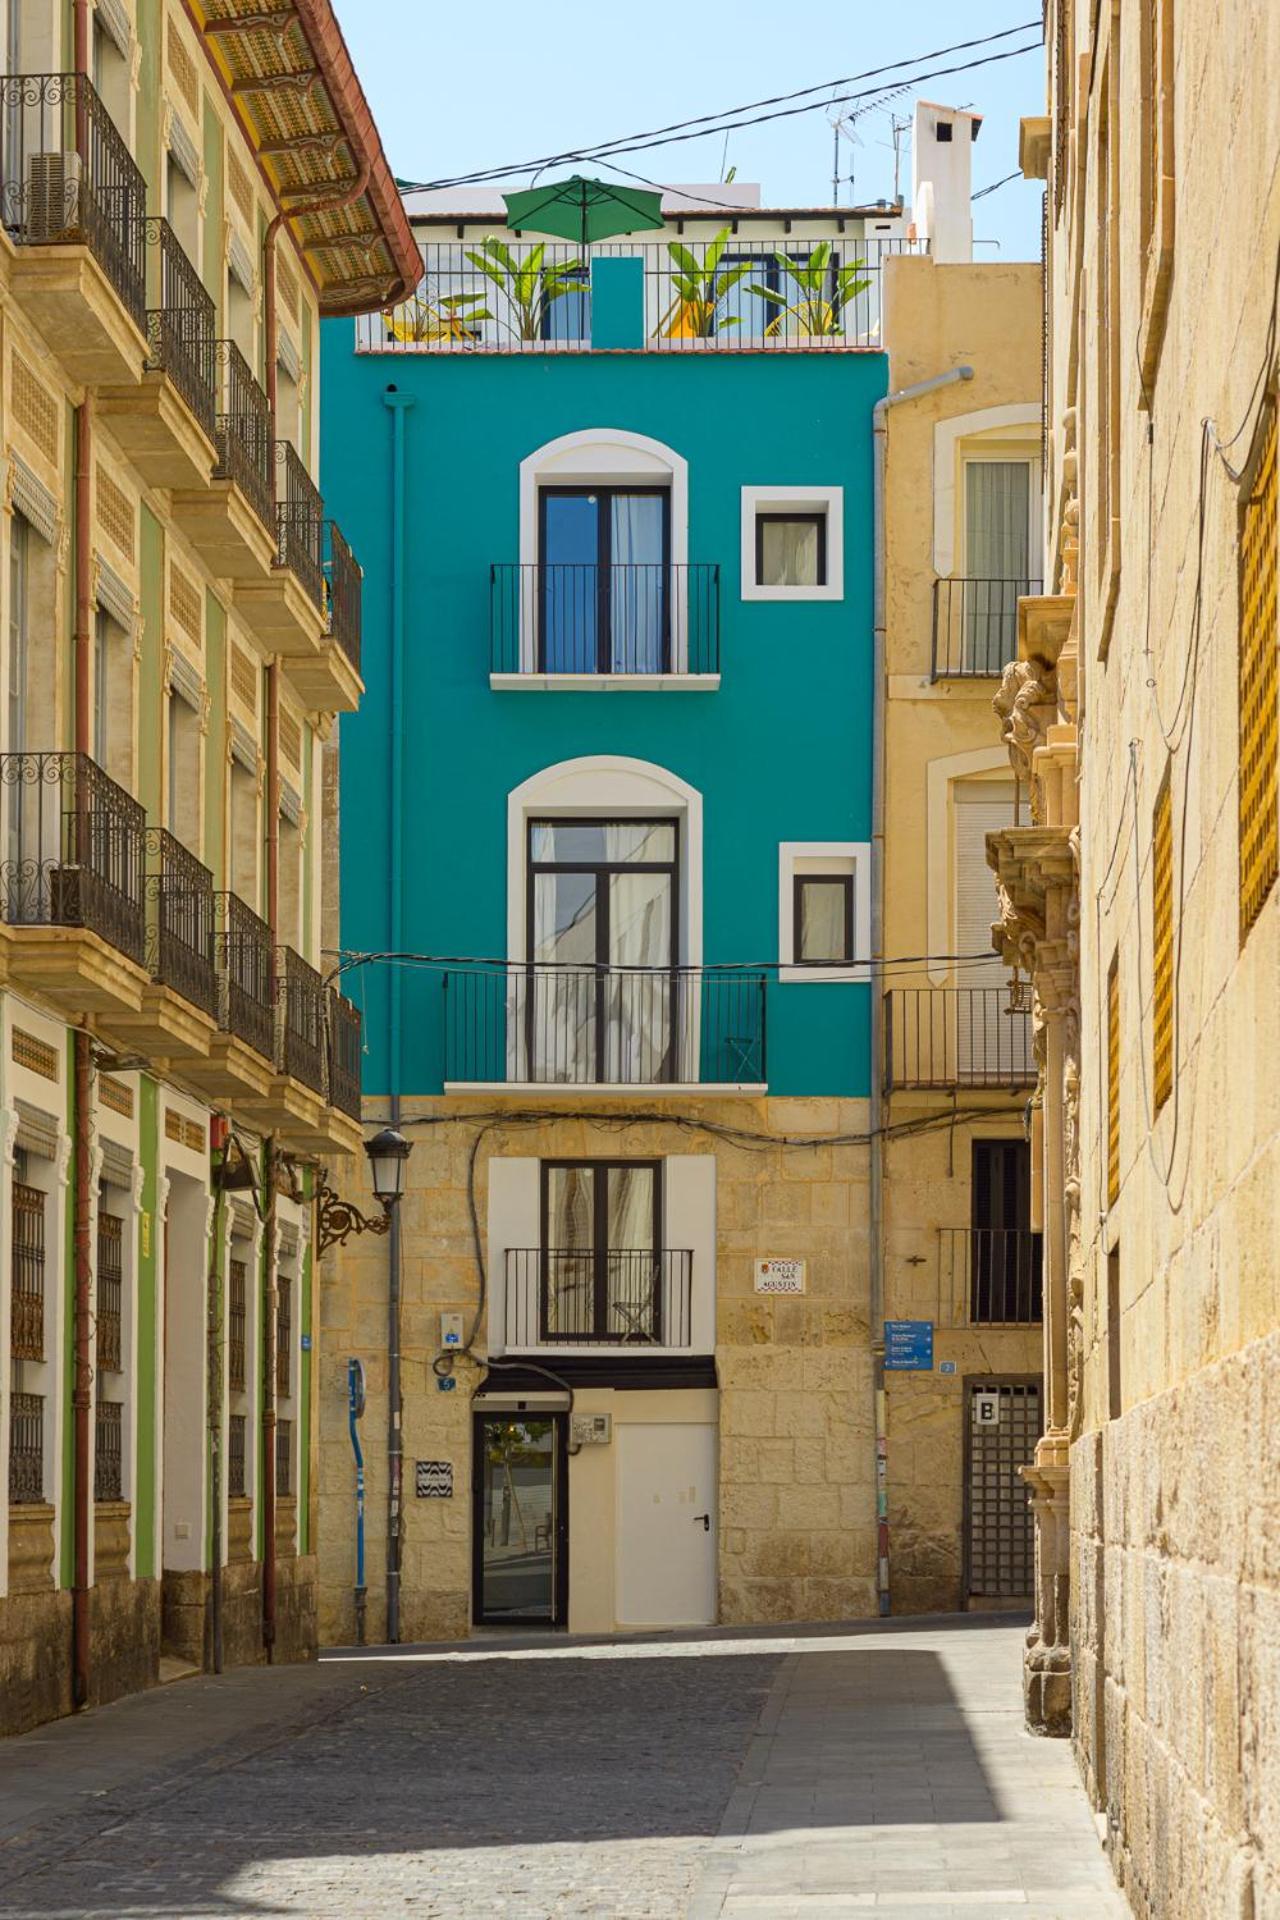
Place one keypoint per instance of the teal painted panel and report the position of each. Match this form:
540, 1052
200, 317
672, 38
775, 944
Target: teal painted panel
782, 751
617, 303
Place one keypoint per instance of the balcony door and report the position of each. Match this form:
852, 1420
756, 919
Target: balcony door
604, 558
602, 990
1004, 1266
601, 1260
998, 504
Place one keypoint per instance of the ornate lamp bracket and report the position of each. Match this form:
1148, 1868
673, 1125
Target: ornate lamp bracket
337, 1219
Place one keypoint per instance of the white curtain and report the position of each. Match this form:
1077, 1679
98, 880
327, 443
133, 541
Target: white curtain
997, 505
638, 587
640, 1012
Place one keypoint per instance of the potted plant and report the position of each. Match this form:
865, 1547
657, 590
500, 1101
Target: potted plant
700, 287
530, 286
814, 304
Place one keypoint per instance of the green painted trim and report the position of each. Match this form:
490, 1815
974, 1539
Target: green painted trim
215, 759
151, 679
213, 209
310, 439
71, 434
257, 1390
215, 1271
146, 1438
147, 120
67, 1496
305, 1360
308, 863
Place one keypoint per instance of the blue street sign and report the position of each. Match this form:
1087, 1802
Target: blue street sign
946, 1366
908, 1345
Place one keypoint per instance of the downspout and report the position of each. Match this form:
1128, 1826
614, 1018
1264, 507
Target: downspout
399, 403
82, 1393
879, 431
269, 1303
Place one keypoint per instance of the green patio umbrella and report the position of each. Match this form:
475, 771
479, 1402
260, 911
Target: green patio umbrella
583, 210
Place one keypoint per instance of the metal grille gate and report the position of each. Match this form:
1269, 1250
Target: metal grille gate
1000, 1531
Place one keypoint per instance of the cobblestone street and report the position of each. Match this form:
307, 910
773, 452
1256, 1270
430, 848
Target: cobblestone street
793, 1774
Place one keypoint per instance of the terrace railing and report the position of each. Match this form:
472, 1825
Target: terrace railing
246, 1004
957, 1037
182, 932
245, 434
182, 325
67, 178
975, 626
72, 849
604, 1026
598, 1296
628, 618
342, 590
749, 295
299, 522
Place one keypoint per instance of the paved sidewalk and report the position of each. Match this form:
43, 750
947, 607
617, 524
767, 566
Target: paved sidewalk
789, 1775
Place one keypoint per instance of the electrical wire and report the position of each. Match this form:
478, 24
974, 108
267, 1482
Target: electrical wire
729, 120
491, 966
996, 185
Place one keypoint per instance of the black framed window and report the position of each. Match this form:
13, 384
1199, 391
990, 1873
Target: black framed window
791, 549
601, 1242
602, 912
823, 920
604, 555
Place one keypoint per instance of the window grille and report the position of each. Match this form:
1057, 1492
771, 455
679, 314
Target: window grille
236, 1306
284, 1459
236, 1435
110, 1295
1259, 827
26, 1448
284, 1333
1113, 1083
108, 1456
26, 1338
1162, 941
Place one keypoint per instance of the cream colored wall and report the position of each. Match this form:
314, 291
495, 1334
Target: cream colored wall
986, 316
1174, 1567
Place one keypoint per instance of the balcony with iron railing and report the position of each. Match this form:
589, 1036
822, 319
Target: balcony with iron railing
344, 1054
182, 325
609, 1297
544, 1025
945, 1037
975, 626
730, 294
301, 1022
72, 852
68, 180
990, 1277
299, 523
243, 957
182, 921
245, 434
628, 621
342, 592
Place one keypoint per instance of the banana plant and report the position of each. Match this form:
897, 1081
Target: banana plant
529, 286
700, 287
814, 306
455, 318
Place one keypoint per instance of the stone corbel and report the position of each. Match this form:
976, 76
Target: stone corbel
10, 476
62, 544
8, 1136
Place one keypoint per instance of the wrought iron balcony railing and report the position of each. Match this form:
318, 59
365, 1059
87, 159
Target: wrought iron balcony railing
344, 1054
625, 619
342, 588
989, 1276
729, 294
604, 1026
26, 1448
67, 178
598, 1297
975, 626
72, 849
182, 930
246, 1003
182, 326
957, 1037
300, 1013
299, 522
245, 434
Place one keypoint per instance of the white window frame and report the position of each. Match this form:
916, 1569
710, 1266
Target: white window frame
840, 856
828, 501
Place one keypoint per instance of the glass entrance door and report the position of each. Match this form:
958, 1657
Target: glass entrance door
603, 559
521, 1520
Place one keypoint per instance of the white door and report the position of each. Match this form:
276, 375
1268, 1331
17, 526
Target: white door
990, 1045
666, 1530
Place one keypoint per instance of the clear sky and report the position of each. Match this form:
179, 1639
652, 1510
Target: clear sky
455, 88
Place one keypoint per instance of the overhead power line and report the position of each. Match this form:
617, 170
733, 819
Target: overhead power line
731, 118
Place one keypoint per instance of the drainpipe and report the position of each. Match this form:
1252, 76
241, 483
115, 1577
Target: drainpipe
879, 701
82, 1392
399, 403
269, 1402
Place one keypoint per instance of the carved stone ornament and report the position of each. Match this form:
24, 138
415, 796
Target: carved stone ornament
1025, 706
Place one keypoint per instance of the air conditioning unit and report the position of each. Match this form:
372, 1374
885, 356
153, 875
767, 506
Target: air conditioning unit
592, 1429
54, 185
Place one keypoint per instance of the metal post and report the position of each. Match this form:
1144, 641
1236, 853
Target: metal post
355, 1412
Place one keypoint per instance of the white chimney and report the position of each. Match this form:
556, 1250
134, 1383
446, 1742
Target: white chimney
942, 179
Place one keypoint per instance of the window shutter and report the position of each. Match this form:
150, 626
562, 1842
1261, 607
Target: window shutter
1113, 1082
1162, 942
1259, 828
981, 807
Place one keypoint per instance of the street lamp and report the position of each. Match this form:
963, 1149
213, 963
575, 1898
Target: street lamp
338, 1219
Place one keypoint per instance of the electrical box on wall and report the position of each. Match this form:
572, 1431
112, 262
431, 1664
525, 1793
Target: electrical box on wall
450, 1329
592, 1429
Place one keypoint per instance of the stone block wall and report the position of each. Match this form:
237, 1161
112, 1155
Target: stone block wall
1175, 1511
